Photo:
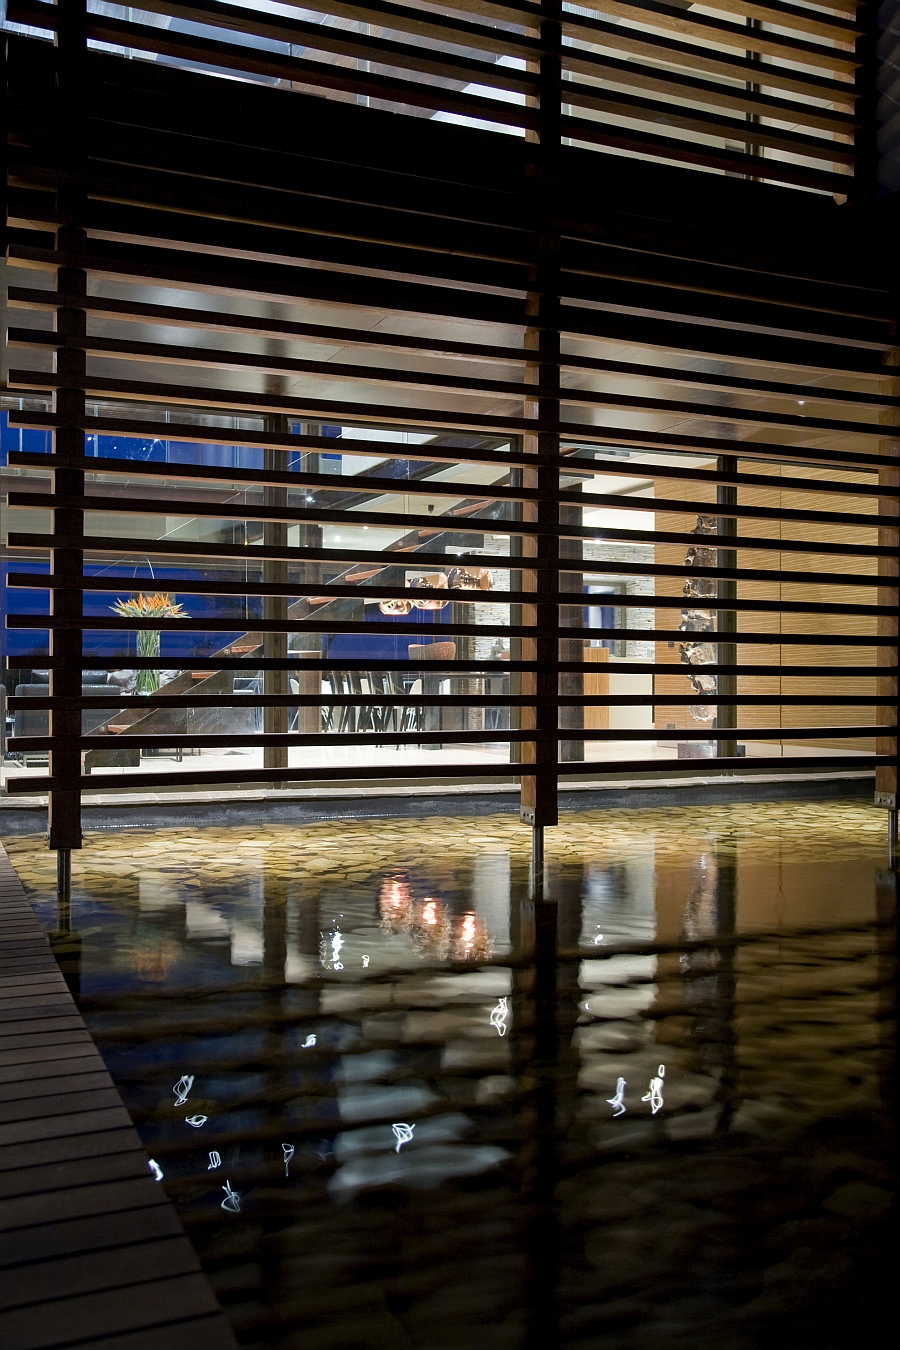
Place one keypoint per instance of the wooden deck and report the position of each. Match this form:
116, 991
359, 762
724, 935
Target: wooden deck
91, 1251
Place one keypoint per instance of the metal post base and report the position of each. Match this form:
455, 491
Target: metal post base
537, 859
63, 871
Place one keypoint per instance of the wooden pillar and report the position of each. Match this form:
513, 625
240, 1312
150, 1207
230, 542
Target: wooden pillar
309, 719
275, 645
67, 559
539, 791
571, 649
726, 619
886, 685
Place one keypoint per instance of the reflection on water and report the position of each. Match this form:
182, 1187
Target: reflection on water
398, 1102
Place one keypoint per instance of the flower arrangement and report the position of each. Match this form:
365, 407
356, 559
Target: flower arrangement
157, 606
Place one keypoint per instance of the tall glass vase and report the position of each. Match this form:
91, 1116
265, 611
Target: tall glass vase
147, 681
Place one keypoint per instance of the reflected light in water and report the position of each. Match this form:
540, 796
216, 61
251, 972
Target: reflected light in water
155, 1169
427, 925
393, 900
618, 1101
473, 942
215, 1160
654, 1096
232, 1201
182, 1088
403, 1134
196, 1121
330, 945
499, 1016
288, 1151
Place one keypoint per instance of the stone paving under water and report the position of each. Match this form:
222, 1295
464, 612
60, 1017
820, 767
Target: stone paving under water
430, 1110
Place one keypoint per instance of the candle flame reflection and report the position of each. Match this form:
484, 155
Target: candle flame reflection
394, 900
434, 932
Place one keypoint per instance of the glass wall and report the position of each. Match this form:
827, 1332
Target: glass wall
359, 605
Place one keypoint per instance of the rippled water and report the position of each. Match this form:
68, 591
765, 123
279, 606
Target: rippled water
651, 1107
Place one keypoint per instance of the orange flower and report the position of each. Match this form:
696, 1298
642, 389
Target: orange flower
157, 606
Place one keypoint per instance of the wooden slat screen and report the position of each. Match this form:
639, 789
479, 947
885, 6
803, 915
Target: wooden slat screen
701, 448
767, 91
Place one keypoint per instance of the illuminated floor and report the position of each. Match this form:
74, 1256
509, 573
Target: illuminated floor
438, 1102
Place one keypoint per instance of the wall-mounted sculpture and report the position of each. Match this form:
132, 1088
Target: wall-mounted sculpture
695, 651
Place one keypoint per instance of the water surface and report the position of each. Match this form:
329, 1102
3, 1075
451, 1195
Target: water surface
430, 1109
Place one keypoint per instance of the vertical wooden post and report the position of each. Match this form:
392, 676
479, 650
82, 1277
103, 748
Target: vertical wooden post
539, 791
275, 606
726, 620
888, 567
571, 649
67, 561
309, 720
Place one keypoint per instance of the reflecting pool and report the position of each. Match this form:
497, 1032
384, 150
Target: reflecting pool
401, 1100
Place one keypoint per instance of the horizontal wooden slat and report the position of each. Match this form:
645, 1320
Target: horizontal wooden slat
433, 523
272, 282
476, 287
100, 623
793, 17
373, 590
837, 116
583, 130
363, 484
374, 700
421, 418
667, 114
255, 662
194, 356
790, 73
428, 451
190, 548
172, 315
65, 1103
713, 32
468, 772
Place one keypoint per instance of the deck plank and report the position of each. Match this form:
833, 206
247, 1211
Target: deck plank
75, 1275
36, 1089
51, 1324
91, 1251
68, 1173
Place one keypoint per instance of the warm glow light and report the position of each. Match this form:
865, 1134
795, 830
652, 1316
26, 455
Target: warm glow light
393, 901
473, 942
